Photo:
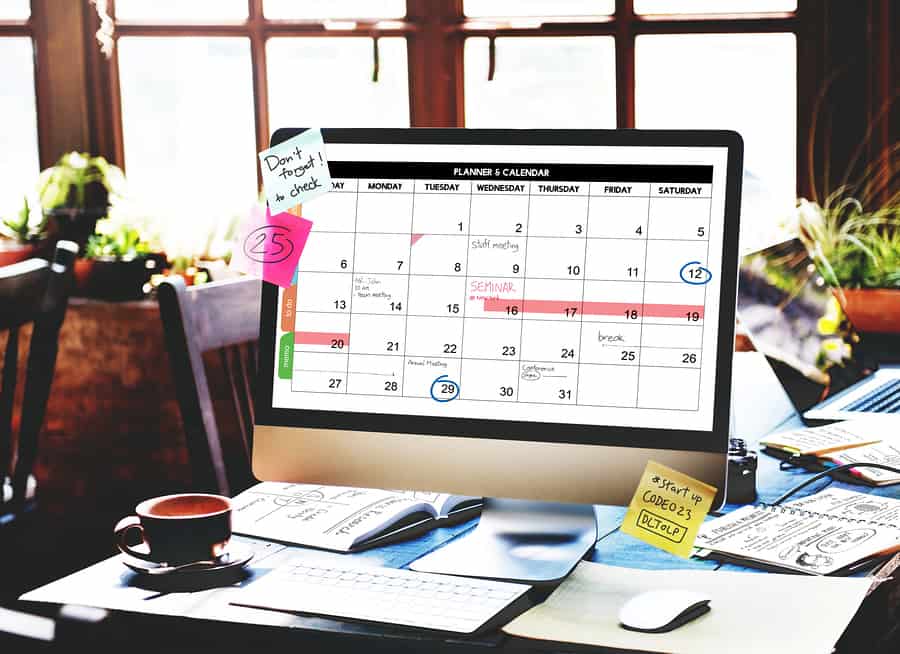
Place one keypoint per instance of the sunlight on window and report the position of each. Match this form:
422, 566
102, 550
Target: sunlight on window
743, 82
15, 9
171, 11
313, 9
18, 128
327, 82
712, 6
519, 8
189, 136
542, 82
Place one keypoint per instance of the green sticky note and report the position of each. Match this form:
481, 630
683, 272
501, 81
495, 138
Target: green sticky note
286, 356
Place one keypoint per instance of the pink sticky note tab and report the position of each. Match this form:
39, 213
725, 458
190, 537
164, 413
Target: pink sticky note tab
269, 246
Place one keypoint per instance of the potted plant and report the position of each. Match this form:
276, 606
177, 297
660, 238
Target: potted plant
117, 264
857, 252
23, 234
75, 193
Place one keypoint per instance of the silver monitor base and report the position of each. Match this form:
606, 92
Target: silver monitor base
518, 540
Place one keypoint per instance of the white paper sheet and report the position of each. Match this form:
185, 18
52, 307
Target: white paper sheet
750, 612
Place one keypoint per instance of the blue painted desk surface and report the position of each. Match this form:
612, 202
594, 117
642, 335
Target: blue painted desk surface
616, 548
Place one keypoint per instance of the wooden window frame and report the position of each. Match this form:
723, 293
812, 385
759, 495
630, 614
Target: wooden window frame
829, 35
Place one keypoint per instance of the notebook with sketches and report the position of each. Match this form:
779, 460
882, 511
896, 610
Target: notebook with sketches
750, 613
871, 440
833, 532
341, 518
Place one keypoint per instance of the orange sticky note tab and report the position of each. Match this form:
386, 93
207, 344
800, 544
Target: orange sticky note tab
667, 509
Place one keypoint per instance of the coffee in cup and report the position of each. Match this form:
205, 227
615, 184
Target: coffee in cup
178, 529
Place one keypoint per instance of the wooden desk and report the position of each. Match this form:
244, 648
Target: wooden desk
206, 625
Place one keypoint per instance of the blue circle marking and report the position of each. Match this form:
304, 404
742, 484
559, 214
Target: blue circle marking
692, 282
444, 380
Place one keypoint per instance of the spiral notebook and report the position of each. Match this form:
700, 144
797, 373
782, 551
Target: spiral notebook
834, 532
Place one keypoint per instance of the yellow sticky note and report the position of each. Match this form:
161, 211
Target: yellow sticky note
667, 509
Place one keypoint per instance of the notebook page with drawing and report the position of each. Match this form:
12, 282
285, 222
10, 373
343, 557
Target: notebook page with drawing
830, 532
337, 517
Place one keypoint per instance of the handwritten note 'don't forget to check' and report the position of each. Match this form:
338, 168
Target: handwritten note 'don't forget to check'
269, 246
295, 171
667, 509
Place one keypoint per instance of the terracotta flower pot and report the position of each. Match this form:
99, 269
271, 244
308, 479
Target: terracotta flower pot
871, 310
13, 252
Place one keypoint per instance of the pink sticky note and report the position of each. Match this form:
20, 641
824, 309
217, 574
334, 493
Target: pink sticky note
269, 246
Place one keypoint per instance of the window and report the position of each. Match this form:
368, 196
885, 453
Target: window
187, 124
712, 6
337, 88
541, 82
671, 64
729, 81
18, 109
535, 8
203, 83
314, 9
176, 11
494, 63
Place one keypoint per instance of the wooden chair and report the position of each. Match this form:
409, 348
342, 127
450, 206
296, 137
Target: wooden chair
37, 292
223, 317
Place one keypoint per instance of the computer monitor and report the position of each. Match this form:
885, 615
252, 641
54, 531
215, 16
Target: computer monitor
525, 314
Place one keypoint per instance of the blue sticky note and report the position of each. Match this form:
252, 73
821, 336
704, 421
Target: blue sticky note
295, 171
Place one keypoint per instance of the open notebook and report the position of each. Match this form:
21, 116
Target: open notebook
869, 440
342, 518
835, 531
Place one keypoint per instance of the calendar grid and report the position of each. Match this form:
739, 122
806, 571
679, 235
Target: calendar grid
549, 279
475, 399
352, 283
502, 318
524, 292
405, 300
587, 230
515, 235
462, 337
702, 332
436, 341
640, 351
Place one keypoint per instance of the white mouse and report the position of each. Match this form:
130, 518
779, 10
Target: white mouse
662, 610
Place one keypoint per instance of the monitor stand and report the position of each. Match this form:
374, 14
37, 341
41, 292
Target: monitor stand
518, 540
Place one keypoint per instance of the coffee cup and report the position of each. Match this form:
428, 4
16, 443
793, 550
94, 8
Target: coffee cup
178, 529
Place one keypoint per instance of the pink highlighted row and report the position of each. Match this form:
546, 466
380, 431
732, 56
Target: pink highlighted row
573, 308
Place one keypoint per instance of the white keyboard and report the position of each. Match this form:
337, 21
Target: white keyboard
374, 594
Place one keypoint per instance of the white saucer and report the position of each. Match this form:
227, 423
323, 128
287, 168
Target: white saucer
235, 556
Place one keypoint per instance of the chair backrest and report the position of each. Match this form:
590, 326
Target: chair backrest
222, 317
33, 291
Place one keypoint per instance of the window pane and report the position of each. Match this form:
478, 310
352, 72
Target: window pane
15, 9
171, 11
495, 8
188, 129
541, 82
744, 82
313, 9
336, 87
18, 126
711, 6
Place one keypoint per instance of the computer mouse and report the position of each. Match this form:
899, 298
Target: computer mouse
657, 611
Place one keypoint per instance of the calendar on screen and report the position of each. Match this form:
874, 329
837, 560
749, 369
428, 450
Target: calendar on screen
535, 283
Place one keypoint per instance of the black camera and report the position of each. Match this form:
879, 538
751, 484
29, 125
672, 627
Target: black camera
741, 473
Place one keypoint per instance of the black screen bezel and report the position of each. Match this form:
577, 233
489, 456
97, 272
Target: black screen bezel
714, 440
